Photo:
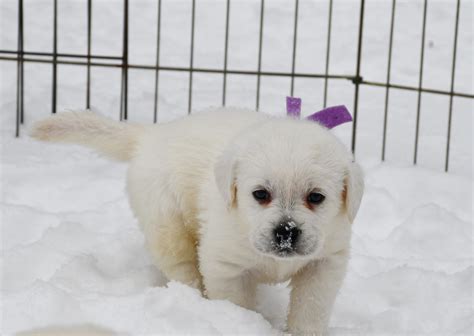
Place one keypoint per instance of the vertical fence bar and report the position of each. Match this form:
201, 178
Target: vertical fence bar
121, 97
357, 80
191, 59
387, 89
328, 50
89, 45
226, 47
19, 78
157, 71
55, 56
124, 92
453, 72
295, 37
420, 82
260, 39
22, 63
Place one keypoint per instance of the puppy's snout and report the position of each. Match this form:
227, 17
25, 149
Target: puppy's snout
286, 235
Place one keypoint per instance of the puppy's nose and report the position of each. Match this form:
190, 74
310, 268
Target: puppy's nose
286, 235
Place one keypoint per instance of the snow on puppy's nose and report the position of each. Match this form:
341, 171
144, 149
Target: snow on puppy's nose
286, 236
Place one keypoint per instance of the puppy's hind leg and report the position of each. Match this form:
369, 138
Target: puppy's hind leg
173, 248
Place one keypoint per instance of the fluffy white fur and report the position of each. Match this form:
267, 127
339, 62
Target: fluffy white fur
190, 184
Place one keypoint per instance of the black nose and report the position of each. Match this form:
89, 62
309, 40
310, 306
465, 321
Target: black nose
286, 235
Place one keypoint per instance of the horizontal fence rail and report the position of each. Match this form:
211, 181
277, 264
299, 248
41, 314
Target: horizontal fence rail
89, 60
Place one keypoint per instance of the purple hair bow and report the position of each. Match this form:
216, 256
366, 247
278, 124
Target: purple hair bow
329, 117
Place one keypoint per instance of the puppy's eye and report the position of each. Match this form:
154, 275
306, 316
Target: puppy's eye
316, 198
262, 196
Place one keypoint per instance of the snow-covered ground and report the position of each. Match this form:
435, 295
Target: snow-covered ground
72, 252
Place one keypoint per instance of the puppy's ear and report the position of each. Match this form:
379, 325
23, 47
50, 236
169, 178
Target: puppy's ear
225, 174
354, 188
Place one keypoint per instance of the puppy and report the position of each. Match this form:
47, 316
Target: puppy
228, 199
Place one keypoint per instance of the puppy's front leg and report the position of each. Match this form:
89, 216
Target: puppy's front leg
173, 249
240, 289
314, 290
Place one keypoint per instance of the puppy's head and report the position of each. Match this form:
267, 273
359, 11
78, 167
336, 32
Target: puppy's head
290, 183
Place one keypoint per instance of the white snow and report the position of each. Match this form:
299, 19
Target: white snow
72, 252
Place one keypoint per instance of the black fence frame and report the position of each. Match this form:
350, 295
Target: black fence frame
89, 60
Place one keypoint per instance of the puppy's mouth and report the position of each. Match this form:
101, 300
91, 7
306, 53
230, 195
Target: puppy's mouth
282, 253
285, 252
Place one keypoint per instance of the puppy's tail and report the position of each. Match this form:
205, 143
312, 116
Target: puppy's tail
114, 139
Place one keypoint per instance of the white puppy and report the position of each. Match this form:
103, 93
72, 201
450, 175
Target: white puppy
231, 198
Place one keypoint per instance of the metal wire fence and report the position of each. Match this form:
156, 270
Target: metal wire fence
89, 60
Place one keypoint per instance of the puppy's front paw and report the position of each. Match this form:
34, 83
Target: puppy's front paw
197, 284
297, 327
305, 332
